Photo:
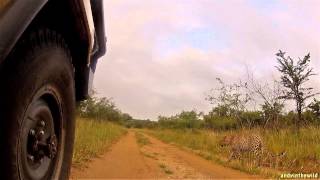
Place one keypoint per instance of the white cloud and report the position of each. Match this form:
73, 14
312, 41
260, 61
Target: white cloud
146, 84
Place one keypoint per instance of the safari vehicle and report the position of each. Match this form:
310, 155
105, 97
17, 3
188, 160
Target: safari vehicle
48, 54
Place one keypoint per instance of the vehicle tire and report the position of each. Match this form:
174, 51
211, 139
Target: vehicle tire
37, 103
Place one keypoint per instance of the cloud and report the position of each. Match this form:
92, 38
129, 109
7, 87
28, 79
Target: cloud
155, 64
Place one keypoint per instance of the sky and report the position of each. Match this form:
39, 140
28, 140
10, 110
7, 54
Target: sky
164, 55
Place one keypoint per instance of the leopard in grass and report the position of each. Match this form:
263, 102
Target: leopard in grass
243, 143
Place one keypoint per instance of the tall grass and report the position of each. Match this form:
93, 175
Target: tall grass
92, 138
194, 139
302, 151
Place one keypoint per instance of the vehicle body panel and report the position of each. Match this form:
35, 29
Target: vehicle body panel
17, 15
90, 26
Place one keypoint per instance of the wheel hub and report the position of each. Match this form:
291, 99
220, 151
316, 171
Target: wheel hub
39, 146
40, 141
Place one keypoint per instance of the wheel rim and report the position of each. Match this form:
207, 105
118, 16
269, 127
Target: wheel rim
42, 138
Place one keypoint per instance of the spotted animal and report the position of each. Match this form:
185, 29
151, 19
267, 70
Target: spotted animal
243, 143
271, 159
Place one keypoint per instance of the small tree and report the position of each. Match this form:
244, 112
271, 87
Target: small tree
100, 109
270, 93
272, 112
229, 99
294, 76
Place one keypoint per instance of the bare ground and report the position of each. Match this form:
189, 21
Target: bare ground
127, 159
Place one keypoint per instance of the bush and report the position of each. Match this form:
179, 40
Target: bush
101, 109
220, 122
310, 118
184, 120
251, 118
135, 123
244, 119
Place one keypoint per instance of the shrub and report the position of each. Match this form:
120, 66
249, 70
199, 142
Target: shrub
220, 122
251, 118
184, 120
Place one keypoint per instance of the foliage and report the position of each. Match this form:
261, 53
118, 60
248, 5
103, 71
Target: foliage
315, 107
92, 138
213, 121
310, 117
288, 119
101, 109
186, 119
251, 119
136, 123
271, 94
230, 98
272, 113
294, 76
223, 111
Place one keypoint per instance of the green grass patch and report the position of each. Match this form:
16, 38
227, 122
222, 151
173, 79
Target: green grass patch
92, 138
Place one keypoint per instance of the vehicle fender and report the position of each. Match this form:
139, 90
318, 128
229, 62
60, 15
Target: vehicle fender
15, 17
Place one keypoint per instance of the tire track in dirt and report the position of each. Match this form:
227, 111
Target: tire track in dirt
124, 160
188, 165
127, 159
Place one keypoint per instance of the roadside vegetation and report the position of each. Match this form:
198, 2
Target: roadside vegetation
302, 150
290, 136
92, 138
98, 125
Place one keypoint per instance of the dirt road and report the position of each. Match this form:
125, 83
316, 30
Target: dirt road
155, 159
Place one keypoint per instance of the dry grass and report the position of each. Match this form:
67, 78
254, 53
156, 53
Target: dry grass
141, 139
302, 151
165, 169
92, 138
